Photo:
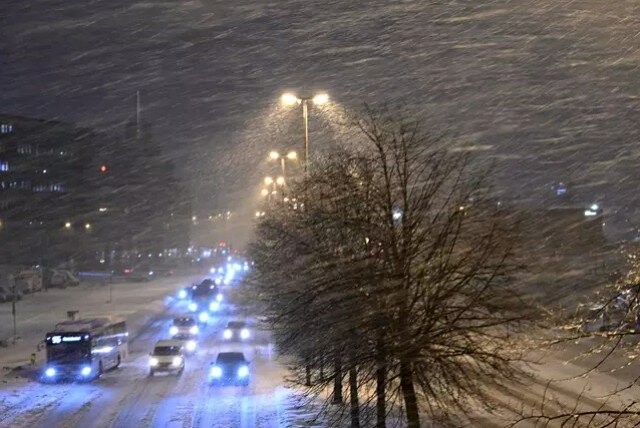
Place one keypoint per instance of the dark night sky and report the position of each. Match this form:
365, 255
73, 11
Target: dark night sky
548, 88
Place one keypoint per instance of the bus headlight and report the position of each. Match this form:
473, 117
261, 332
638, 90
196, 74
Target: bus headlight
193, 307
50, 372
173, 330
243, 371
86, 371
194, 329
191, 345
227, 334
182, 294
219, 297
244, 333
177, 361
153, 362
203, 317
214, 306
216, 372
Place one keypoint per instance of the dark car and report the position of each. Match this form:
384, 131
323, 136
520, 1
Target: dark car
236, 331
230, 368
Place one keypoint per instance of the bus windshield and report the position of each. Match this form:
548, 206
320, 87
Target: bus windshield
68, 352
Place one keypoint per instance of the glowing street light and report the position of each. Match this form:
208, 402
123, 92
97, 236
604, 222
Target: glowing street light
264, 192
268, 180
280, 181
289, 99
291, 155
67, 225
87, 226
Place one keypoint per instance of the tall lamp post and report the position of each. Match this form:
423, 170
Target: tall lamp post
274, 155
290, 99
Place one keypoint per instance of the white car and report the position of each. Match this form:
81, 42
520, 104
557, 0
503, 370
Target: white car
167, 356
184, 326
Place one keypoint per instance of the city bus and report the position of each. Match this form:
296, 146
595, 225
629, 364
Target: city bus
84, 349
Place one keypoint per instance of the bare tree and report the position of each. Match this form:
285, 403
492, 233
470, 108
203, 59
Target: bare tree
392, 262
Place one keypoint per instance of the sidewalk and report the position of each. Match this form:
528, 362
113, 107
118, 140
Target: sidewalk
38, 313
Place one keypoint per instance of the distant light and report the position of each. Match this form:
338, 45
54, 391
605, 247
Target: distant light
67, 225
268, 180
87, 226
102, 209
182, 294
264, 192
193, 307
292, 155
191, 346
280, 181
216, 372
50, 372
321, 99
397, 215
103, 168
228, 334
589, 213
173, 330
194, 218
274, 155
289, 99
86, 371
594, 207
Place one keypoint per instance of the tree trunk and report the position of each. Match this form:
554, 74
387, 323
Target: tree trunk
353, 395
337, 380
381, 403
409, 394
307, 374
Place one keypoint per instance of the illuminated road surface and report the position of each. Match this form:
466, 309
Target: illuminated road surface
128, 397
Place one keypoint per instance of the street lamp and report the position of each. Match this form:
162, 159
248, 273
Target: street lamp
290, 99
67, 225
280, 181
291, 155
268, 180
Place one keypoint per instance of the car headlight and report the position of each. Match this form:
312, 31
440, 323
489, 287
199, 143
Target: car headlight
203, 317
173, 330
177, 361
193, 307
212, 270
191, 346
50, 372
216, 372
194, 329
153, 362
86, 371
182, 294
219, 297
244, 333
243, 371
228, 334
214, 306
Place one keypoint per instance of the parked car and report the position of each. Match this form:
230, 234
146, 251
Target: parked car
61, 278
29, 280
7, 296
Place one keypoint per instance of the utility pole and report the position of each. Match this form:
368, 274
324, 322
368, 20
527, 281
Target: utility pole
13, 306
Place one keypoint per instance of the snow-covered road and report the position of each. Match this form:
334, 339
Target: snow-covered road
129, 397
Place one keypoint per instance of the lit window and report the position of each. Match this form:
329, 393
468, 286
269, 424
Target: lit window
24, 149
6, 128
4, 166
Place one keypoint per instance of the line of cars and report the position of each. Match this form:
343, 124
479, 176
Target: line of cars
169, 355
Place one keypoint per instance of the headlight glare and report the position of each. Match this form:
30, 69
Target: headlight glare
86, 371
177, 361
216, 372
153, 362
227, 334
243, 371
244, 333
50, 372
173, 330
